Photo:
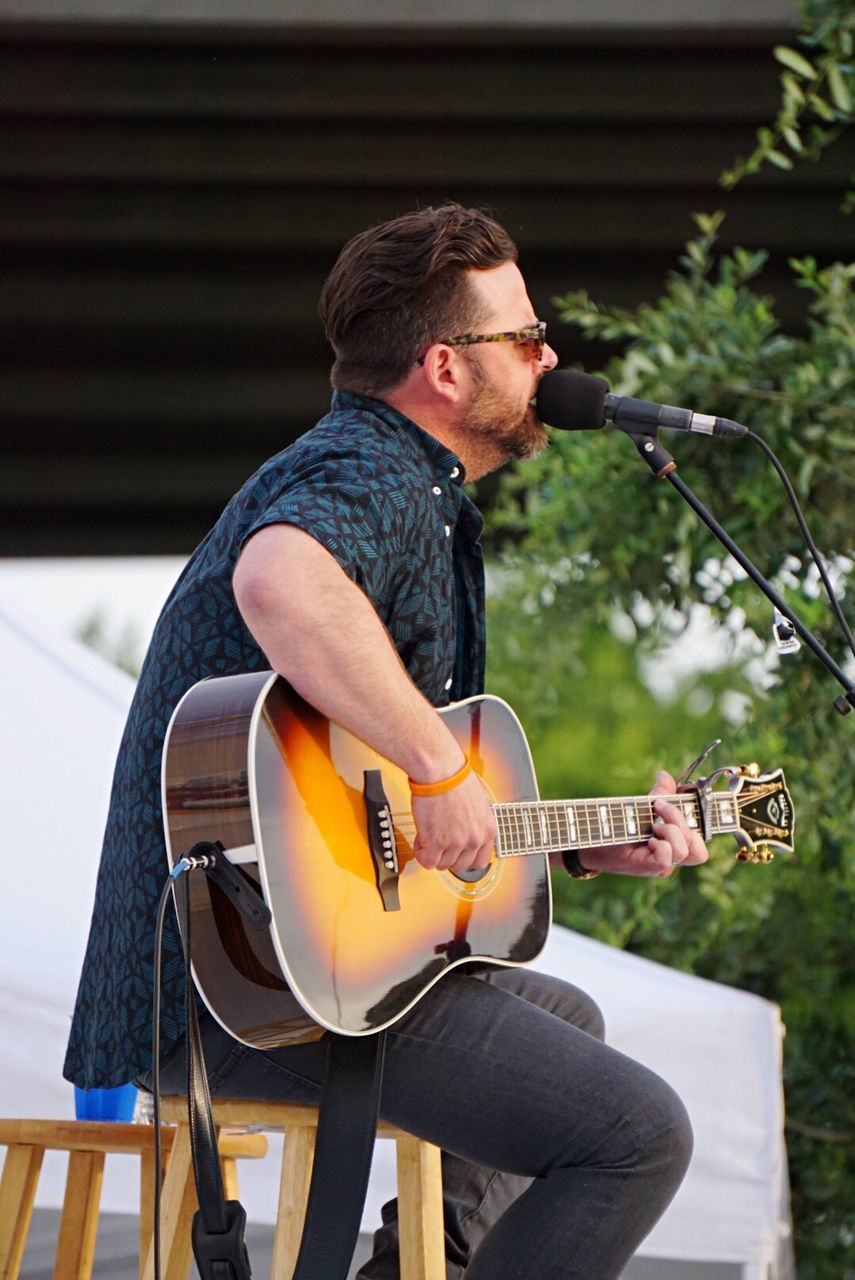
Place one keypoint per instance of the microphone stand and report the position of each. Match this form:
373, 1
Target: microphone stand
664, 467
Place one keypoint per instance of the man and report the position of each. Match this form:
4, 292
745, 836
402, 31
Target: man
350, 563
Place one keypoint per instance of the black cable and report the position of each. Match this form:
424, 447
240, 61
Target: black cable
218, 1226
812, 547
155, 1054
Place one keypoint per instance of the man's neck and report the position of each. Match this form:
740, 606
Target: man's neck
425, 416
477, 456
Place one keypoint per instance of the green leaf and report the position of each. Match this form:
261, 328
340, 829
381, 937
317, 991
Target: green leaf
709, 223
806, 471
779, 159
838, 88
792, 89
821, 107
795, 62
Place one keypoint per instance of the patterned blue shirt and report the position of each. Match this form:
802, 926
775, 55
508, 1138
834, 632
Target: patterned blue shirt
385, 498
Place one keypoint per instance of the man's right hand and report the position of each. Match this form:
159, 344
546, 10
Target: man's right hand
456, 830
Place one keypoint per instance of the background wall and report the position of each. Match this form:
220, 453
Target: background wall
174, 189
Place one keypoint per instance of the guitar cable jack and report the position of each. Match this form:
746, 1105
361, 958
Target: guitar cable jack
196, 861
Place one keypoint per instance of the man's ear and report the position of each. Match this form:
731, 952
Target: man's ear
442, 370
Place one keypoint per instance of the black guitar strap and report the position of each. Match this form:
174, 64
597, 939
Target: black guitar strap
347, 1124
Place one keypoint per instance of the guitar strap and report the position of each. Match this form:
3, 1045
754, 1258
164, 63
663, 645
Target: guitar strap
347, 1124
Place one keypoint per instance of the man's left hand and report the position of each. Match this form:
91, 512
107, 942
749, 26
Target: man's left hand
673, 844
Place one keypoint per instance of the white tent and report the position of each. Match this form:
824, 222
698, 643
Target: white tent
63, 712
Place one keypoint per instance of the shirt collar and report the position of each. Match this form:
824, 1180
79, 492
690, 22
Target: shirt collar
445, 462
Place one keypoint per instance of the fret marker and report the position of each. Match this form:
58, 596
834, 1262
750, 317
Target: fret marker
529, 837
691, 820
604, 819
631, 826
571, 820
544, 829
725, 811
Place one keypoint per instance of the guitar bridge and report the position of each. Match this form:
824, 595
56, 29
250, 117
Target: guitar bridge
381, 839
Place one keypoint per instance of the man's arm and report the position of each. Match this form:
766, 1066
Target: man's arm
319, 631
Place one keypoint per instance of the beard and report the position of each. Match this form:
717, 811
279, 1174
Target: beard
503, 428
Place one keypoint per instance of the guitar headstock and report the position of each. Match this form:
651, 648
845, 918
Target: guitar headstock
758, 810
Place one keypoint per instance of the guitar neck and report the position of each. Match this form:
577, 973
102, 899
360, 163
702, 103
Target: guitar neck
548, 826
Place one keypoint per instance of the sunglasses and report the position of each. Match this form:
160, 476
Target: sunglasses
533, 336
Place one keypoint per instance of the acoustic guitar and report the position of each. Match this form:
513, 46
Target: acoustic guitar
320, 827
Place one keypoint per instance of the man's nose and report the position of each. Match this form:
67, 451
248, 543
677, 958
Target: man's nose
549, 359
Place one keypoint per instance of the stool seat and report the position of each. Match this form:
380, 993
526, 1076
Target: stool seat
241, 1126
88, 1142
420, 1222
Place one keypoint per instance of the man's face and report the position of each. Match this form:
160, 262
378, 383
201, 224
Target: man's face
497, 413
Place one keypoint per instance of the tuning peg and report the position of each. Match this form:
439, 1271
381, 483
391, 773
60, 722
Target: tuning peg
760, 853
750, 770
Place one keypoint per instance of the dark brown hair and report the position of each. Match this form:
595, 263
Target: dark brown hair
399, 287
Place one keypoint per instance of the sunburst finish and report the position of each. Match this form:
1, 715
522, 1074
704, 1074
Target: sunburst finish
251, 764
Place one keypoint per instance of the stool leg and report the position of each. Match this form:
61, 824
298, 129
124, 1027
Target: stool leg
297, 1159
78, 1226
228, 1166
146, 1206
178, 1204
21, 1170
420, 1224
146, 1203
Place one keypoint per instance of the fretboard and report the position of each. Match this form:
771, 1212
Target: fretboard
547, 826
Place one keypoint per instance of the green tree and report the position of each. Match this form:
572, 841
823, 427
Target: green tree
817, 92
599, 543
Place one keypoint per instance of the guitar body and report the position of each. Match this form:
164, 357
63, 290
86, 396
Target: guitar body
247, 762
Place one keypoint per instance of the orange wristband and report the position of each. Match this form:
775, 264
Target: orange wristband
447, 784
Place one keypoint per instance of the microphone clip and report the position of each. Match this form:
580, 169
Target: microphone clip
785, 634
651, 449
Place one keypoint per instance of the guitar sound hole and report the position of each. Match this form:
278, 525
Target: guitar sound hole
471, 877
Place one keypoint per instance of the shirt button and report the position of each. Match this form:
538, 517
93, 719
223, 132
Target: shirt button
437, 490
455, 472
447, 684
448, 531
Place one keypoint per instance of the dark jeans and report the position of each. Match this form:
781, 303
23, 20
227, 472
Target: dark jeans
559, 1153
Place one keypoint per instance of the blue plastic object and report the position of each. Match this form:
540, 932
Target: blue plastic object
106, 1104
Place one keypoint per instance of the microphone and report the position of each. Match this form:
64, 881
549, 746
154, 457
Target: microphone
574, 401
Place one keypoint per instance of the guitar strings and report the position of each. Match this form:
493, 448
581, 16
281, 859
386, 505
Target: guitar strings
518, 834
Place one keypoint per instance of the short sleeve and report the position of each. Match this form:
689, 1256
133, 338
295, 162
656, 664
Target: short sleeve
359, 513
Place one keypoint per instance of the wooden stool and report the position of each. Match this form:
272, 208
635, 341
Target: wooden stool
88, 1142
419, 1188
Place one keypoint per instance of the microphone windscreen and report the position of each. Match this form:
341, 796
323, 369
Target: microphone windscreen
572, 401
